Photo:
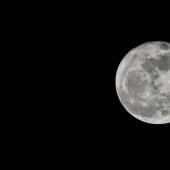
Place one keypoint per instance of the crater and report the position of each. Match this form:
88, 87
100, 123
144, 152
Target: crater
164, 46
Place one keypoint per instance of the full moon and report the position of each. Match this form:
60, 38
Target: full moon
143, 82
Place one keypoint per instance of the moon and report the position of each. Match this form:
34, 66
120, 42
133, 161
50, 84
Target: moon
143, 82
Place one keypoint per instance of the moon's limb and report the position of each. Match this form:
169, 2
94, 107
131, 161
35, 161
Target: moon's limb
139, 110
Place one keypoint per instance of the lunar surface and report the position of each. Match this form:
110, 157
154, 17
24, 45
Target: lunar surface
143, 82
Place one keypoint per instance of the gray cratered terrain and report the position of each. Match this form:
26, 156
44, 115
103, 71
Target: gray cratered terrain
143, 82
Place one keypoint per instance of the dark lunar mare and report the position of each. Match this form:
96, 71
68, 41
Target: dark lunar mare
163, 64
136, 108
150, 64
